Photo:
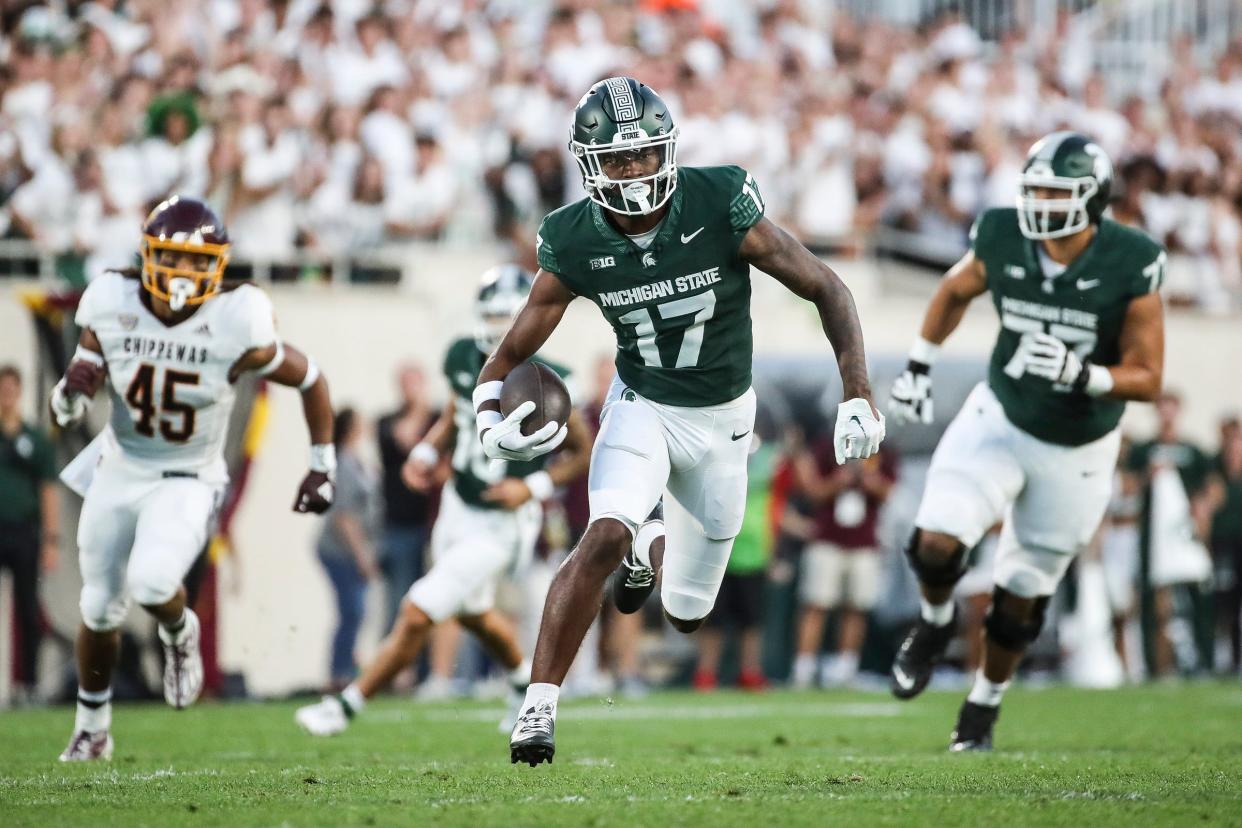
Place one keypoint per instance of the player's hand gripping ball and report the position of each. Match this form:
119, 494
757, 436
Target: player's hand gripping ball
535, 405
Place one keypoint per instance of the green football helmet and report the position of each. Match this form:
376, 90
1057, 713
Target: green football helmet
1070, 162
503, 290
620, 118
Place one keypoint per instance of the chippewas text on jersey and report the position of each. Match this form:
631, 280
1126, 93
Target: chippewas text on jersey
1085, 307
680, 307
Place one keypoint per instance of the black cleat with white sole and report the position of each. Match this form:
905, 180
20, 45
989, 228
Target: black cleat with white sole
974, 728
534, 736
633, 581
919, 654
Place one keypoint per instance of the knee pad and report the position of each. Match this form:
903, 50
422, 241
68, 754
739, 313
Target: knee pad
684, 611
942, 574
150, 590
1008, 628
102, 611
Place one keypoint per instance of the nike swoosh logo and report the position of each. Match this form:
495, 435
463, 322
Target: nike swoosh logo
904, 681
686, 239
1087, 284
737, 437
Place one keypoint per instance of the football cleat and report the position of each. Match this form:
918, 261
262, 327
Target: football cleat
533, 739
919, 654
634, 580
324, 718
183, 663
974, 728
85, 746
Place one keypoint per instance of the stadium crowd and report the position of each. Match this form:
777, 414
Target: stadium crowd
346, 127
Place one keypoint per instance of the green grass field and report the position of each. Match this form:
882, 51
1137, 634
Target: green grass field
1154, 755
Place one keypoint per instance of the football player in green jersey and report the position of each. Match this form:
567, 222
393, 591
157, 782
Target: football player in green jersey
489, 520
665, 253
1082, 332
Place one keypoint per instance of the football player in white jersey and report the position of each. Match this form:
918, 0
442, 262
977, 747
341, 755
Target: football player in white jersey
170, 340
489, 520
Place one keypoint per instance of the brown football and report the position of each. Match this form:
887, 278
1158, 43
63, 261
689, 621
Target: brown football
540, 384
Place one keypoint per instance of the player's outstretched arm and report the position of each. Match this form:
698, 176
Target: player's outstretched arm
534, 323
860, 426
71, 397
418, 472
911, 397
286, 365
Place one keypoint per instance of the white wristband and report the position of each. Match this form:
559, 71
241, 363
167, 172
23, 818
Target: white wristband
540, 485
424, 453
924, 351
312, 374
323, 458
87, 355
486, 419
486, 392
1099, 381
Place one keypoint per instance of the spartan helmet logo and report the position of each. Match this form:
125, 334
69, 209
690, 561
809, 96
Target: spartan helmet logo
649, 259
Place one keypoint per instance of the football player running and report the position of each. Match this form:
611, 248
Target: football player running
665, 252
489, 520
1081, 333
171, 340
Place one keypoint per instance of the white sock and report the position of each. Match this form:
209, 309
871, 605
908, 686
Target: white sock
644, 537
847, 665
804, 670
94, 711
353, 699
986, 693
936, 614
519, 676
538, 693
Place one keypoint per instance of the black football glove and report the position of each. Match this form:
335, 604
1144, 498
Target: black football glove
315, 493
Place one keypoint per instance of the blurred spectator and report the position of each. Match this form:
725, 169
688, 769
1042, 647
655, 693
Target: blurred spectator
1227, 543
346, 546
407, 514
853, 127
1179, 496
841, 566
739, 604
29, 521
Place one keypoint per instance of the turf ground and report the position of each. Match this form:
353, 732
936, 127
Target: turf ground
1159, 755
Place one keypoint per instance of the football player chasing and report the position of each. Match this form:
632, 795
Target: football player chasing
171, 340
1081, 333
665, 252
489, 520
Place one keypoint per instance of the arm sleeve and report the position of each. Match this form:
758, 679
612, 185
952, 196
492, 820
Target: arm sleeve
746, 206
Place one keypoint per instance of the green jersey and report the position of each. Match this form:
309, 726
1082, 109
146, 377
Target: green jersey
474, 471
1084, 307
680, 307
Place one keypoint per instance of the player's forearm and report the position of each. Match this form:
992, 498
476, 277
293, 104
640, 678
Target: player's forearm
944, 314
840, 321
49, 509
317, 410
441, 434
1134, 383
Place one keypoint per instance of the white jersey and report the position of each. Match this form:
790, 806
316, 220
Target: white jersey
170, 388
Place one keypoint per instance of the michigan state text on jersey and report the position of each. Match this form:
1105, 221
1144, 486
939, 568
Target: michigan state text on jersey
1081, 332
665, 253
489, 519
169, 341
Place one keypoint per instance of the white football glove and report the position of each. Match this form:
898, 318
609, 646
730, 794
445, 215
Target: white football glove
505, 441
910, 400
858, 432
67, 408
1050, 358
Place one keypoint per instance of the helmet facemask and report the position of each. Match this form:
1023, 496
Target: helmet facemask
1054, 218
165, 278
636, 196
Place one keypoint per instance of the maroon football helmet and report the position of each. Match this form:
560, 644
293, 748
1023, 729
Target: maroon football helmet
177, 227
